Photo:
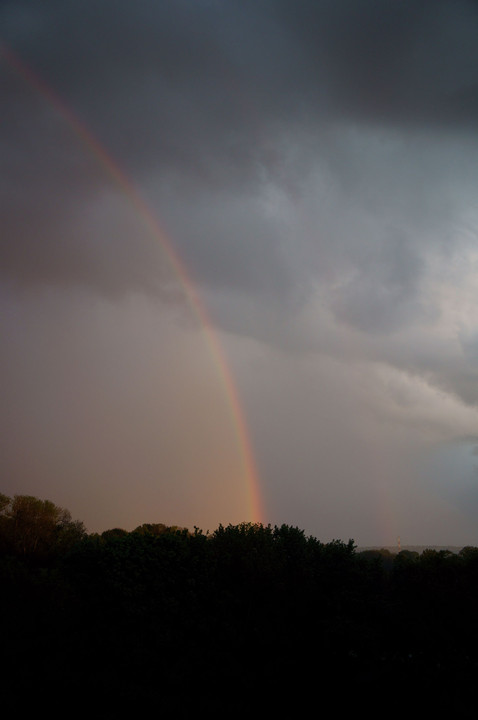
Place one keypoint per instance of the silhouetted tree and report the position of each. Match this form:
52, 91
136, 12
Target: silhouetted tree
34, 527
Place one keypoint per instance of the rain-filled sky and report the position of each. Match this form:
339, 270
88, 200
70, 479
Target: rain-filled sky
313, 170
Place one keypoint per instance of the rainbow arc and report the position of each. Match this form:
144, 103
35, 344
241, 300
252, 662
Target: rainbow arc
119, 177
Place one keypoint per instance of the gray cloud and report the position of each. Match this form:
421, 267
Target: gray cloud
381, 295
200, 84
234, 96
390, 62
313, 164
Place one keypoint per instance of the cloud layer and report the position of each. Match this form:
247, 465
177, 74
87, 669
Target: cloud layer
314, 166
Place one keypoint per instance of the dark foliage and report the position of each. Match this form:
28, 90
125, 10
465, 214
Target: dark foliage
249, 618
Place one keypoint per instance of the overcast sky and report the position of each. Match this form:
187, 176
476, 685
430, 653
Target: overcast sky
314, 165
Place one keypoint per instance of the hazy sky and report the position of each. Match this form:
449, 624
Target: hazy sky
314, 165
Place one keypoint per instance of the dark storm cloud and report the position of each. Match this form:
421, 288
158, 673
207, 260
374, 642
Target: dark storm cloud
156, 89
315, 165
401, 62
205, 78
206, 99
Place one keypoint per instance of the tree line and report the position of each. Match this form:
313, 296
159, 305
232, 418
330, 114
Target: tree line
177, 620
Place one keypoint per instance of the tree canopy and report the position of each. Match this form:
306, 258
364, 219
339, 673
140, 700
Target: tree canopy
142, 615
33, 527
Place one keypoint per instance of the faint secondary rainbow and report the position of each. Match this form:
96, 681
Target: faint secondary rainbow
120, 178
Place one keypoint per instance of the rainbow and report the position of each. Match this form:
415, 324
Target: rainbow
119, 177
